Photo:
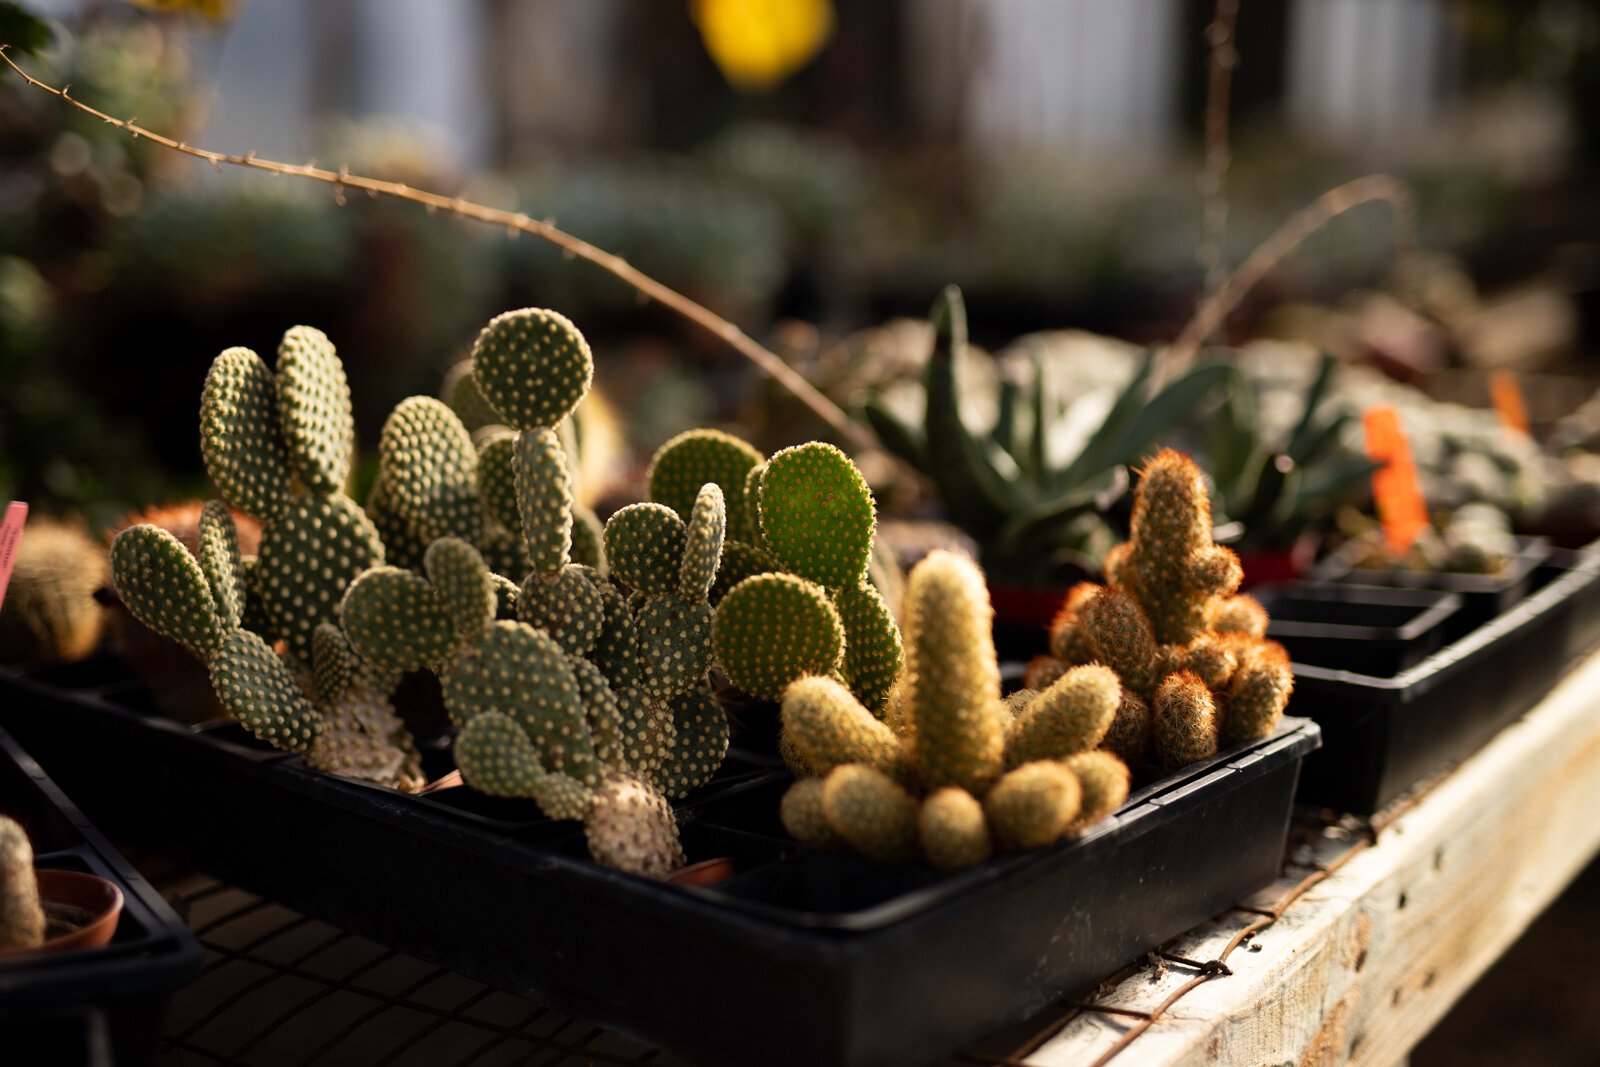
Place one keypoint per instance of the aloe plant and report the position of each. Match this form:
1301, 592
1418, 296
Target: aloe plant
1027, 509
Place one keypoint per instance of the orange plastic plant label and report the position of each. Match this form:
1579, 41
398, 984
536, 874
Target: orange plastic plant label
10, 534
1506, 392
1395, 488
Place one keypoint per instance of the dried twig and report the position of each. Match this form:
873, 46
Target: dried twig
852, 431
1267, 255
1224, 57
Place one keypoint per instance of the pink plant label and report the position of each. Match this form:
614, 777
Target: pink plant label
10, 534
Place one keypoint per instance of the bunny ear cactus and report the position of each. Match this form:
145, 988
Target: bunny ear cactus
1192, 655
951, 773
803, 605
264, 436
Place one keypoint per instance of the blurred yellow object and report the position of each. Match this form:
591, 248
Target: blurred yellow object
758, 43
211, 10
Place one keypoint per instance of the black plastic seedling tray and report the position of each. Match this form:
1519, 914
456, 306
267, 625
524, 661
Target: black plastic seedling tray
82, 1006
1483, 596
799, 958
1367, 629
1381, 736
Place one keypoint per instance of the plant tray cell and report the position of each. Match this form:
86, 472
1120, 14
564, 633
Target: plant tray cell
1368, 629
76, 1006
1483, 596
808, 958
1383, 735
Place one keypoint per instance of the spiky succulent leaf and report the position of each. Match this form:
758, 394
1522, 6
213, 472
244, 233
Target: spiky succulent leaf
829, 728
314, 409
817, 515
1033, 805
239, 435
1071, 716
952, 830
774, 628
533, 366
164, 587
872, 812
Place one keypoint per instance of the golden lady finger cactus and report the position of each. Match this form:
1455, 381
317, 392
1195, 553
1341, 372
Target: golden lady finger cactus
953, 830
1184, 720
1033, 805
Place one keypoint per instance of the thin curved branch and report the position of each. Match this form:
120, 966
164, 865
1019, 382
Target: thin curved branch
852, 431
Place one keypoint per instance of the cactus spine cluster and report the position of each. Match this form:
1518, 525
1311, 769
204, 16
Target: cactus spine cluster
948, 772
22, 918
797, 600
1196, 668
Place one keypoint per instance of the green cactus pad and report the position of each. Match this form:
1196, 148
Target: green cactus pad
505, 552
254, 616
740, 561
544, 498
588, 539
506, 595
802, 815
460, 390
603, 714
631, 827
696, 458
829, 728
165, 588
615, 653
1071, 716
872, 651
747, 525
644, 545
523, 672
462, 582
647, 729
1033, 805
672, 641
952, 830
566, 605
393, 618
872, 813
496, 757
1103, 782
497, 476
335, 667
702, 552
774, 628
533, 366
239, 436
219, 561
314, 410
430, 470
308, 558
956, 722
699, 743
402, 546
817, 515
258, 689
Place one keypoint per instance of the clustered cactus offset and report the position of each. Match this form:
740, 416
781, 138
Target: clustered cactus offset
949, 772
1196, 668
22, 917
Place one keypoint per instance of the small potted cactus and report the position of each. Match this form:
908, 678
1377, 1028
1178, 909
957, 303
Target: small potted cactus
1161, 666
48, 910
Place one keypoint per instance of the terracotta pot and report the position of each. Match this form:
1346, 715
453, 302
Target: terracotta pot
706, 872
83, 910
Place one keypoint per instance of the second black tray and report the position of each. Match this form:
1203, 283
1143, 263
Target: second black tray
799, 958
1383, 735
